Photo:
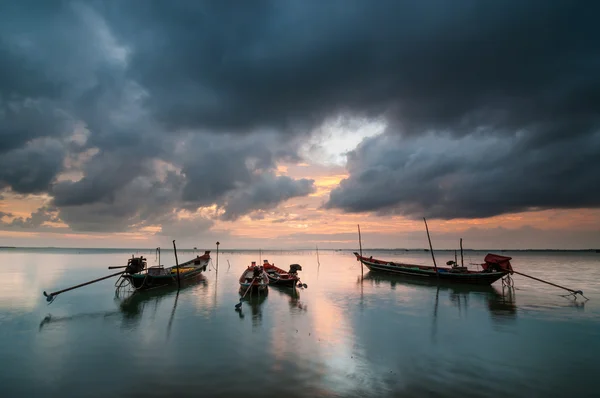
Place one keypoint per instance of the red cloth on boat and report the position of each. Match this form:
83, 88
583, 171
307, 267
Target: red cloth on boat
501, 262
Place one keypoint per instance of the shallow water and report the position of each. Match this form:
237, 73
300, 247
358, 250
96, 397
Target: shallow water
345, 335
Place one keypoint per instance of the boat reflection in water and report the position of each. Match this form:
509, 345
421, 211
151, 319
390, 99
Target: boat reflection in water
132, 304
500, 303
255, 302
293, 295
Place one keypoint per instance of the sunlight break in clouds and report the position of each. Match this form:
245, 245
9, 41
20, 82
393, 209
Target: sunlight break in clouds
330, 142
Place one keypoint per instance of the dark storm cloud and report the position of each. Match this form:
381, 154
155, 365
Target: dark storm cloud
142, 201
32, 168
430, 64
119, 191
440, 177
517, 75
104, 174
265, 193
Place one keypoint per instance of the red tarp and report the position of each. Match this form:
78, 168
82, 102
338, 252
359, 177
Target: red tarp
497, 261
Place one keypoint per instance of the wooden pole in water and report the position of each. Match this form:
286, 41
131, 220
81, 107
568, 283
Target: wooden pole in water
177, 265
217, 270
455, 259
431, 247
462, 259
360, 247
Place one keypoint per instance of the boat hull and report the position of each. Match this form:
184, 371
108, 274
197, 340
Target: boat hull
290, 282
145, 281
279, 277
256, 283
443, 275
158, 277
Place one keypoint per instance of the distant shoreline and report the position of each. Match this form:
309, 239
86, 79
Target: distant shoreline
142, 249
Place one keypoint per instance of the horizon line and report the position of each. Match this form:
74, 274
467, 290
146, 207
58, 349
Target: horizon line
284, 249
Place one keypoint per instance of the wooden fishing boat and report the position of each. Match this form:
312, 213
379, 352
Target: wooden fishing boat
160, 276
494, 268
277, 276
254, 279
135, 276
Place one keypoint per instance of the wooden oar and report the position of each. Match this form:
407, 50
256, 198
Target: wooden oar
239, 305
51, 296
573, 292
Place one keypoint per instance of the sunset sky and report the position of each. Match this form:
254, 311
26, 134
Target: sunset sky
284, 124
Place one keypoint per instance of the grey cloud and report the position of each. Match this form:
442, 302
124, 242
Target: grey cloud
472, 177
37, 219
431, 65
119, 192
141, 201
217, 164
32, 168
105, 174
265, 193
186, 228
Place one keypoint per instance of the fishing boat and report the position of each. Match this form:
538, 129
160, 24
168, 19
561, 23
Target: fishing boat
495, 267
158, 276
254, 279
136, 276
277, 276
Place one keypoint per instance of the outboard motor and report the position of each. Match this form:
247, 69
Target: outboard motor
257, 272
294, 268
135, 265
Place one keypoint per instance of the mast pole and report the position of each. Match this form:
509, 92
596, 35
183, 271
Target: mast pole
431, 248
360, 247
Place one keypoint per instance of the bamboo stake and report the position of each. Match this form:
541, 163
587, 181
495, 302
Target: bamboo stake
431, 248
360, 247
217, 270
462, 259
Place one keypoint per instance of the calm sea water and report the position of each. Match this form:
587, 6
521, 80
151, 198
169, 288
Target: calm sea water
343, 336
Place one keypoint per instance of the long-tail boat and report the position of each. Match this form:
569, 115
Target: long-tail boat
135, 275
160, 276
277, 276
254, 279
494, 268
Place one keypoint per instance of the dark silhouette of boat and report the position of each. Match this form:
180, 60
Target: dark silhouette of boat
494, 268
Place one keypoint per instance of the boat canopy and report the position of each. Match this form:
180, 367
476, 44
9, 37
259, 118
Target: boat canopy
496, 261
